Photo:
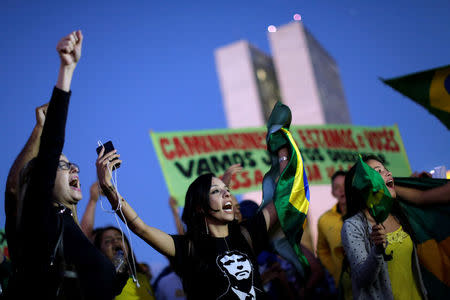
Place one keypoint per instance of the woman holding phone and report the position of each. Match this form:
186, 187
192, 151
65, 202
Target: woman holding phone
216, 257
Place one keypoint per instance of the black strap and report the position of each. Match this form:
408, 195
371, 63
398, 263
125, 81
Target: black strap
59, 243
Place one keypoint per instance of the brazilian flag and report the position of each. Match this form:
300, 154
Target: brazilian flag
371, 186
431, 226
431, 89
289, 190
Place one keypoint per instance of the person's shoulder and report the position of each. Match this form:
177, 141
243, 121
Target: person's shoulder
355, 221
356, 218
178, 236
327, 214
180, 241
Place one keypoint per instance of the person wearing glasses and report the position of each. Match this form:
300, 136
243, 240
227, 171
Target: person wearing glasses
52, 258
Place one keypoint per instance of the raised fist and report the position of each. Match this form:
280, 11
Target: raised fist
69, 48
41, 111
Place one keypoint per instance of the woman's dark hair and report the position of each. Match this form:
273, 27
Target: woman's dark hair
196, 206
366, 158
356, 202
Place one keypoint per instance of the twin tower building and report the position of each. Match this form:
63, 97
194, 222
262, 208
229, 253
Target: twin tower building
301, 74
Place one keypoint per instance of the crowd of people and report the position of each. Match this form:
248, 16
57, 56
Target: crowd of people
222, 248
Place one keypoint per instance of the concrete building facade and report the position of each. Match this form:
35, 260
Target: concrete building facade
301, 74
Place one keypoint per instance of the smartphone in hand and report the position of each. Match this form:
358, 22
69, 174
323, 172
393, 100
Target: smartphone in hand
108, 148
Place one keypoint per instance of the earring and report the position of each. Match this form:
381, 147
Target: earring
207, 229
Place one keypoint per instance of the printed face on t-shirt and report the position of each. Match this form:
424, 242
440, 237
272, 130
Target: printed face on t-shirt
237, 266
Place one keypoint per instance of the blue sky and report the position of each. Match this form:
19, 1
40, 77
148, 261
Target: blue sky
149, 65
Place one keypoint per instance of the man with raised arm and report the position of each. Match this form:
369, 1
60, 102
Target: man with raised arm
51, 256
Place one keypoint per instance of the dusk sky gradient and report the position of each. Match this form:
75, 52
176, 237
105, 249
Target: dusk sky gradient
149, 65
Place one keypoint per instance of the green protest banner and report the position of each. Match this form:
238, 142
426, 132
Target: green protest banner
184, 155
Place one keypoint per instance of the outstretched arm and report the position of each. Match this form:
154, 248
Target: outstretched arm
69, 49
48, 140
438, 195
159, 240
28, 153
53, 132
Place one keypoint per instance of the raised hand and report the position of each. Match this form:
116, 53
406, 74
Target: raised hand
94, 192
233, 169
378, 237
41, 111
69, 48
104, 166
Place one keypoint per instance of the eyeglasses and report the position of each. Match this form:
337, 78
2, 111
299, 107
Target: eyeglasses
64, 165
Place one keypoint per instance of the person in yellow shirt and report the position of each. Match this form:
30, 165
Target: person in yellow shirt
109, 241
329, 246
132, 291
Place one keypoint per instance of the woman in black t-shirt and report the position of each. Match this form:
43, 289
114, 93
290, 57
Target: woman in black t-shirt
216, 259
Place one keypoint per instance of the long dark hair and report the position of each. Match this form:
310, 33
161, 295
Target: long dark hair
196, 206
356, 203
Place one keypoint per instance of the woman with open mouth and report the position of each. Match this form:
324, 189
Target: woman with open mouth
216, 257
382, 256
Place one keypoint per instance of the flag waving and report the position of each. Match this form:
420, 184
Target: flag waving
371, 186
431, 89
431, 226
290, 190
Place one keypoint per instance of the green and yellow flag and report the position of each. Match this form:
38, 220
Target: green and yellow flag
431, 226
431, 89
371, 186
288, 191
